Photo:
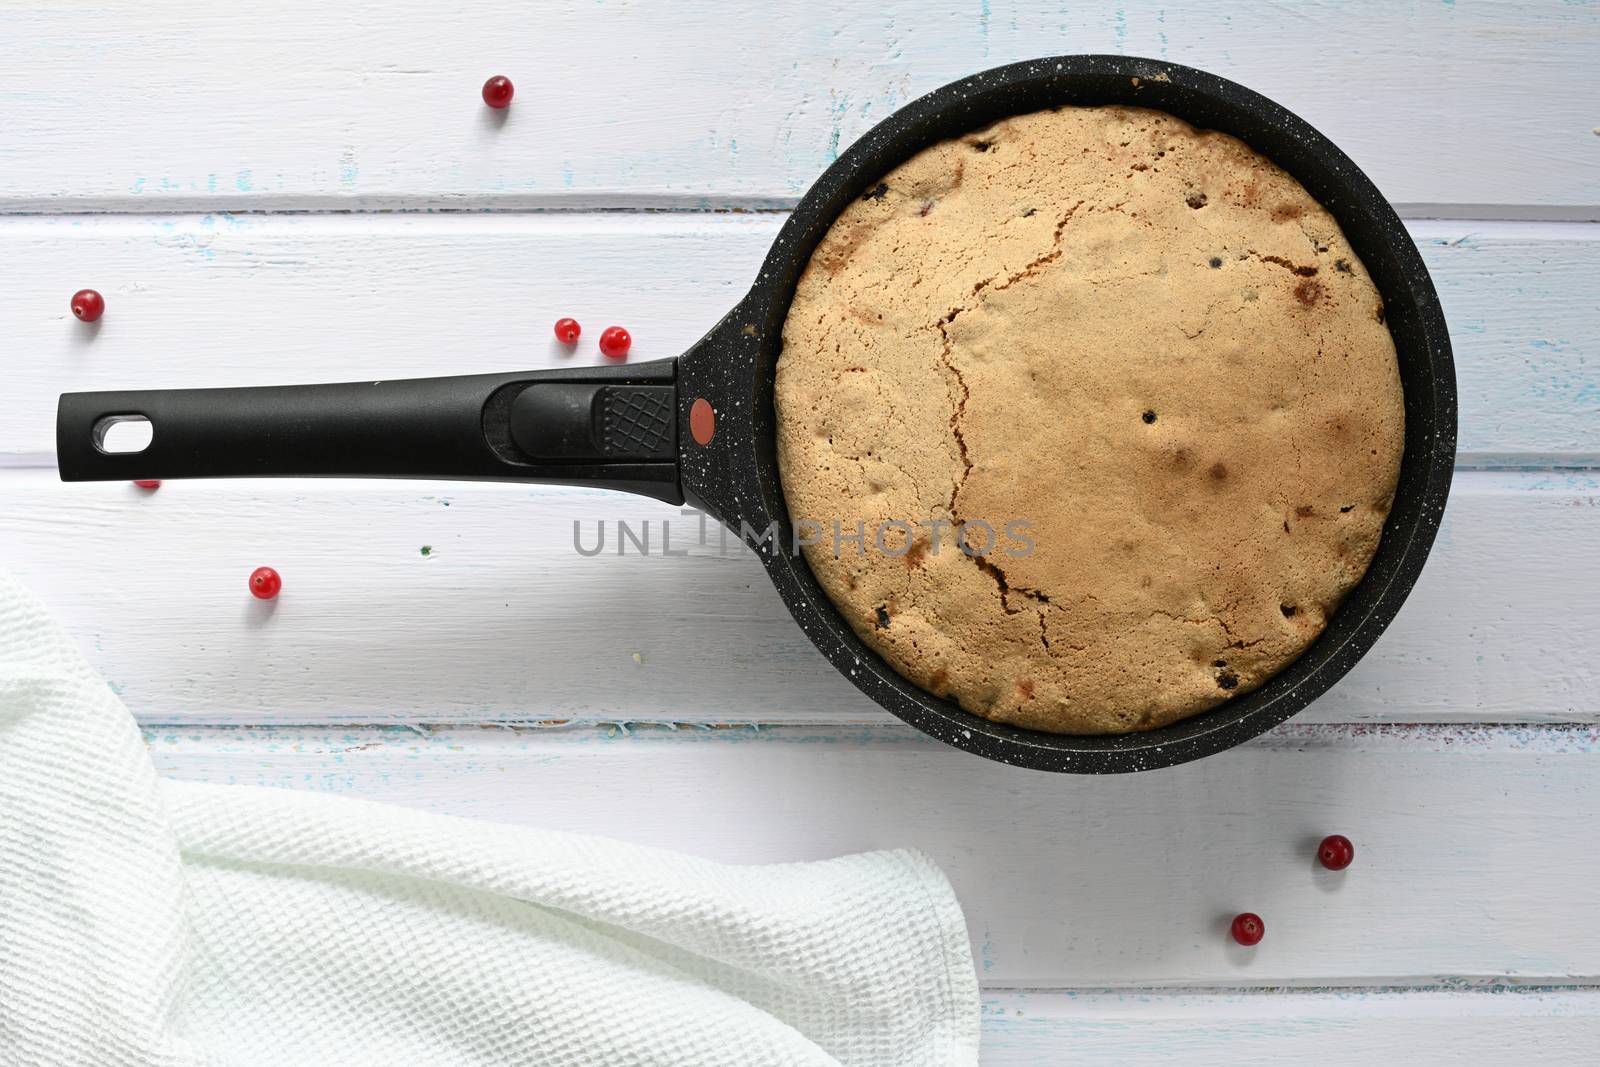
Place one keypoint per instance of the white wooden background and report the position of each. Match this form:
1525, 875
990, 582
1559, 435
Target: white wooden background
302, 191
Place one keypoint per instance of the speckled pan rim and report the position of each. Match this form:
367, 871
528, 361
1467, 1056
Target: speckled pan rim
736, 476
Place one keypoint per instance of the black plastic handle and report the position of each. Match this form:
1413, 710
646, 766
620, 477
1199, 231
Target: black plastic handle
612, 426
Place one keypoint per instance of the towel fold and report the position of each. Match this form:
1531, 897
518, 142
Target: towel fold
150, 922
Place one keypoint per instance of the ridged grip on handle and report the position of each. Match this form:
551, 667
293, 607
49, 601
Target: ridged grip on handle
480, 427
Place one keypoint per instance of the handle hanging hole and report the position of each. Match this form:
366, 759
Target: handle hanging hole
122, 435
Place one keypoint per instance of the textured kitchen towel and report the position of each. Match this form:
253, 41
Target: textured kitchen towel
156, 922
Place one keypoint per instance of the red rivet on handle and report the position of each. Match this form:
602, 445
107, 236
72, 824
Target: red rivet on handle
702, 421
265, 583
497, 91
88, 305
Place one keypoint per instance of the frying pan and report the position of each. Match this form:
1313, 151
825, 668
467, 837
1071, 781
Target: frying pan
701, 428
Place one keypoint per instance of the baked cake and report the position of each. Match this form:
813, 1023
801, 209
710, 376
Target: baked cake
1143, 359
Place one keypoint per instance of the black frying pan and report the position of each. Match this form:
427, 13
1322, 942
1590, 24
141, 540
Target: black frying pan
700, 428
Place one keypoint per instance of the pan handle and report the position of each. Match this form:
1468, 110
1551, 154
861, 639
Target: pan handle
612, 426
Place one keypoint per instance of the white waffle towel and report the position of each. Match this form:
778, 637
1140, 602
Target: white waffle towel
151, 922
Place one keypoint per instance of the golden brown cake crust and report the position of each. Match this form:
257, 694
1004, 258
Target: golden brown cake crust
1145, 341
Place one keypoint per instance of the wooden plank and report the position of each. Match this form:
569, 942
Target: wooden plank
1332, 1028
307, 104
1474, 854
1526, 339
237, 300
504, 620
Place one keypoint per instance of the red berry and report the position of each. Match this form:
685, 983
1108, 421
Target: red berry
497, 91
1248, 928
88, 305
615, 342
567, 330
147, 483
265, 583
1336, 852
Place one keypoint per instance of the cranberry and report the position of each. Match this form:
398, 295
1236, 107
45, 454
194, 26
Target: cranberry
147, 483
615, 342
497, 91
1336, 852
265, 583
567, 330
1248, 928
88, 305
